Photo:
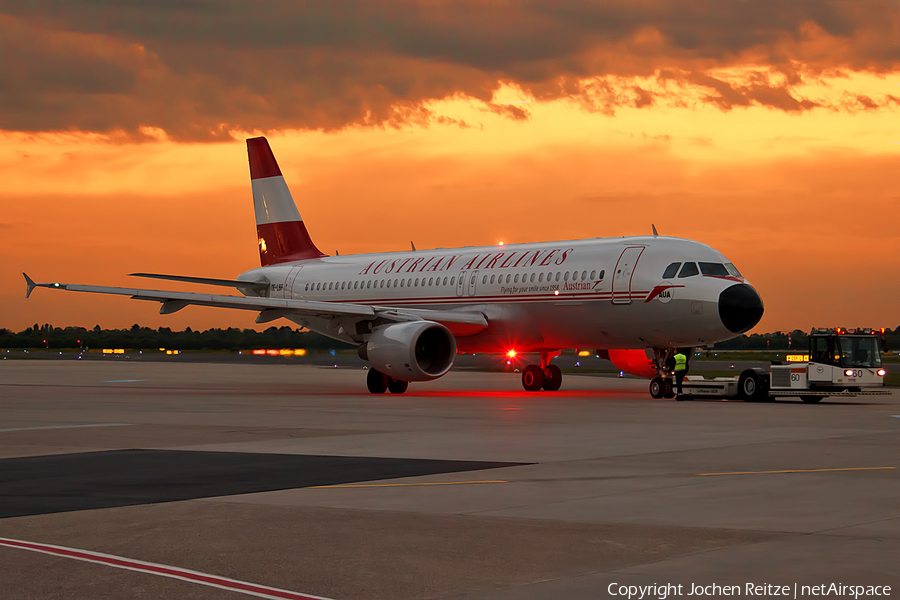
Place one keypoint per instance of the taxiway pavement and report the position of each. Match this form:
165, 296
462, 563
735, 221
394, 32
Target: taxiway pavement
467, 487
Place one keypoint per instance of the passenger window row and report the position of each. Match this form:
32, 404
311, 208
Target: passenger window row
550, 277
368, 284
437, 281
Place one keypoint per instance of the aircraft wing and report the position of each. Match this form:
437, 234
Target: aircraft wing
466, 323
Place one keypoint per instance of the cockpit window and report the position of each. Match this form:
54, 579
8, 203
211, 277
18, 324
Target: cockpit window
859, 351
671, 271
689, 270
716, 269
732, 270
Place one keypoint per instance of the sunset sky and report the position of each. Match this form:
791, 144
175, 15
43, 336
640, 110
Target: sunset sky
767, 129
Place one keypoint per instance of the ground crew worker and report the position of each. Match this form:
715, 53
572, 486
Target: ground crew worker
681, 369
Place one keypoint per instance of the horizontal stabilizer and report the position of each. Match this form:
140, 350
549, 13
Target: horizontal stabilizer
253, 285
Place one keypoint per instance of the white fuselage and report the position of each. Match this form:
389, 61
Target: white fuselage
597, 293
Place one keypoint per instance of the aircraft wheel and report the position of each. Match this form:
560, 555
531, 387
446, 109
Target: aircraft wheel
397, 386
656, 387
376, 381
532, 378
552, 378
811, 399
668, 391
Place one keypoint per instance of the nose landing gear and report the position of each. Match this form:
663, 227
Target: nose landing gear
546, 376
661, 385
661, 388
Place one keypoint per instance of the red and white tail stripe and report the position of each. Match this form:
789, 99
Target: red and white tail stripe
281, 232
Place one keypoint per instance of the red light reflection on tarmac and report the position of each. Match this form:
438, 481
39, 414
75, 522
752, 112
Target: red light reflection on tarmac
521, 395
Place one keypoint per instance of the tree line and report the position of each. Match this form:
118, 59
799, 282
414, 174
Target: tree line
794, 340
145, 338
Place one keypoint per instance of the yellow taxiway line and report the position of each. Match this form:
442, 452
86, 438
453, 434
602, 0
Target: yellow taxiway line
797, 471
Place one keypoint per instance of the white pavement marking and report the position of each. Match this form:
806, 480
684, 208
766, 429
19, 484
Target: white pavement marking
232, 585
65, 426
124, 380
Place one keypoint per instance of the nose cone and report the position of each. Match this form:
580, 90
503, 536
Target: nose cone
740, 308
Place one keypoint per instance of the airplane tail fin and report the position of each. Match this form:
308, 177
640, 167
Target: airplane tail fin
281, 234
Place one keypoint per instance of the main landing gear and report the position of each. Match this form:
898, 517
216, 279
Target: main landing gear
545, 376
379, 383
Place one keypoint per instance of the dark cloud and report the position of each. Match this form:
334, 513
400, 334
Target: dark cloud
516, 113
759, 91
643, 97
199, 69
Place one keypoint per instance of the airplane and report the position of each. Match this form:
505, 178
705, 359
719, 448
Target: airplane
636, 299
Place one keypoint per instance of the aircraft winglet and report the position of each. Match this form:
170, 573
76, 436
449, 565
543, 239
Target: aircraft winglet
413, 246
654, 230
29, 285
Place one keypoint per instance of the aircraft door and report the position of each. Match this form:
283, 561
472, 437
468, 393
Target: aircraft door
461, 283
289, 283
621, 283
473, 282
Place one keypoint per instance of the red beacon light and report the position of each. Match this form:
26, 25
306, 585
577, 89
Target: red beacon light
511, 354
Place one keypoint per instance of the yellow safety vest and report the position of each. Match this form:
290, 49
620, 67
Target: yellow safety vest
680, 362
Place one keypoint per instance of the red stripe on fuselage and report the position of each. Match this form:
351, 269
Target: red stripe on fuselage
284, 242
423, 300
660, 288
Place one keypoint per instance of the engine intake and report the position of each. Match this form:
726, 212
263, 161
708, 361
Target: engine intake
411, 351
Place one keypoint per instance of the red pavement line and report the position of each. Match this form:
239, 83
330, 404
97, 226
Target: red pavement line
233, 585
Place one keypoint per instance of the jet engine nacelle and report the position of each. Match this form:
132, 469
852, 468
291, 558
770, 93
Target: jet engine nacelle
411, 351
637, 362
